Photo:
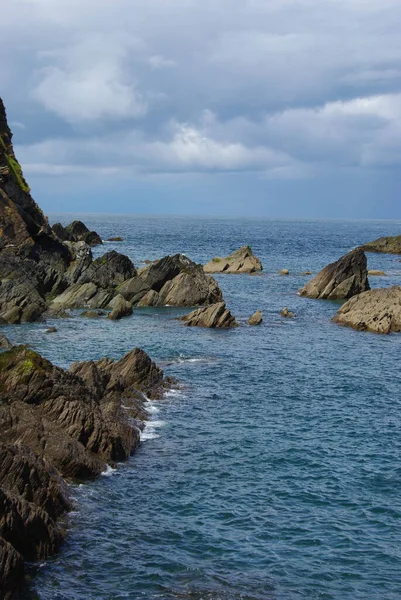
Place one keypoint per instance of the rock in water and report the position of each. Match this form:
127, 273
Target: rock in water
241, 261
284, 272
344, 278
376, 273
121, 308
388, 245
77, 232
56, 422
256, 318
175, 281
216, 315
115, 239
287, 314
377, 310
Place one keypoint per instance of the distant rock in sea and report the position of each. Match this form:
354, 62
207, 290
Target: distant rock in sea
256, 318
344, 278
377, 310
386, 245
375, 273
216, 315
241, 261
287, 314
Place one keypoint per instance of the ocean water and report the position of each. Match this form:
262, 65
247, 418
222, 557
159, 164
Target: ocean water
274, 471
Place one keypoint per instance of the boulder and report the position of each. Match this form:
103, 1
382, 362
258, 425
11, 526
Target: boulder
388, 245
256, 318
287, 314
284, 272
344, 278
376, 273
307, 272
177, 280
377, 310
115, 239
51, 330
241, 261
120, 308
216, 315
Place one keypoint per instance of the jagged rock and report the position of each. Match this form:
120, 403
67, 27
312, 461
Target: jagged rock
388, 245
5, 343
284, 272
54, 421
344, 278
216, 315
287, 314
120, 308
115, 239
241, 261
78, 232
256, 318
81, 261
178, 282
377, 310
376, 273
151, 298
76, 296
109, 270
20, 302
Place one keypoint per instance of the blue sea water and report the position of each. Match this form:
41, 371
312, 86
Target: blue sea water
274, 471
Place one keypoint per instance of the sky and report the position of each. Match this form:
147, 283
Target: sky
270, 108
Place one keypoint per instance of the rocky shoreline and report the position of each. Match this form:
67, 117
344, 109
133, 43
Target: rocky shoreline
58, 425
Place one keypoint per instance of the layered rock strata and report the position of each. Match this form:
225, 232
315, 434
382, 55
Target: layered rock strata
241, 261
344, 278
215, 316
387, 245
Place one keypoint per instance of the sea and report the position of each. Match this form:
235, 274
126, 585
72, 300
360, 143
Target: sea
273, 470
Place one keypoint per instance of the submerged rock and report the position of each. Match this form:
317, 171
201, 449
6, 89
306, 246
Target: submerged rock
388, 245
241, 261
344, 278
287, 314
93, 314
216, 315
256, 318
115, 239
51, 330
284, 272
376, 273
377, 310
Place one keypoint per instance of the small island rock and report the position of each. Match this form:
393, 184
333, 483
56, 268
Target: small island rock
377, 310
344, 278
376, 273
216, 315
284, 272
287, 313
241, 261
115, 239
256, 318
386, 245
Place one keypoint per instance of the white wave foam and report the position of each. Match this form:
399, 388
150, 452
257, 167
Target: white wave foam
109, 471
148, 435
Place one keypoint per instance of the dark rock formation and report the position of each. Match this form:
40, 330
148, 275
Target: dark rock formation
120, 308
342, 279
216, 315
57, 423
109, 270
77, 232
115, 239
241, 261
5, 343
176, 280
256, 318
377, 310
388, 245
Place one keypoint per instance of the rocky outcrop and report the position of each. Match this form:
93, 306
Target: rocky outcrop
5, 343
77, 232
256, 318
377, 310
120, 308
344, 278
172, 280
241, 261
388, 245
216, 315
117, 238
56, 423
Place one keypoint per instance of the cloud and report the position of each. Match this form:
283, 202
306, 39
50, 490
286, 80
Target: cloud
91, 81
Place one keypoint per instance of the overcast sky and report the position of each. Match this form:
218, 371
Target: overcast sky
288, 108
